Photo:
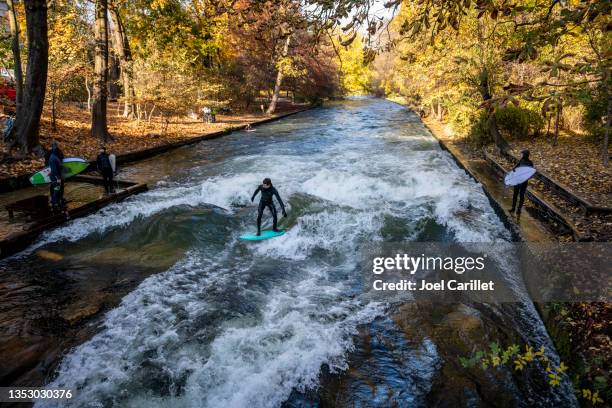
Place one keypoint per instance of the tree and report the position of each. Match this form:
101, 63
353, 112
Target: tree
99, 124
357, 74
15, 46
122, 48
28, 123
279, 75
69, 49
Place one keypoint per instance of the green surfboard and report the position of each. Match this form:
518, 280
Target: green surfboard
71, 166
265, 234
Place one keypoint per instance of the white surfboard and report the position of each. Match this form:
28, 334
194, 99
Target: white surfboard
519, 175
113, 161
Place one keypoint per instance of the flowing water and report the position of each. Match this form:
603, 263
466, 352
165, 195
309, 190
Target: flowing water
222, 322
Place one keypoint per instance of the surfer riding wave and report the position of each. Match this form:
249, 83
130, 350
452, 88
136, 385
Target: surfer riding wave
268, 192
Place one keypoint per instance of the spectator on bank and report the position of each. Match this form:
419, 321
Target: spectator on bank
106, 170
206, 114
54, 160
9, 124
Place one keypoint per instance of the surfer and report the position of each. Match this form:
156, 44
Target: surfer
520, 189
267, 193
56, 187
106, 170
58, 152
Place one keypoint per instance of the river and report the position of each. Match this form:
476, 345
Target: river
192, 316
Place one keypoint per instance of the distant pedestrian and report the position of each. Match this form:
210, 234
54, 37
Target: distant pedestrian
9, 125
263, 108
213, 115
106, 170
520, 189
206, 114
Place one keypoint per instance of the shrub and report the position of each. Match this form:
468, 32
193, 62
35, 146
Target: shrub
595, 111
515, 122
462, 118
572, 118
479, 134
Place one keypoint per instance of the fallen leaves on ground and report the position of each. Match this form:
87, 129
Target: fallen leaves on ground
575, 162
73, 134
595, 226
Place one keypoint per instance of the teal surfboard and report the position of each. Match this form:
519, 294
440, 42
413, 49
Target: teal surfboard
71, 166
265, 234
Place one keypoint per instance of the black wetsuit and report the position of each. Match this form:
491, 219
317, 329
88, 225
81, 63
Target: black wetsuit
520, 189
267, 195
55, 163
57, 152
106, 170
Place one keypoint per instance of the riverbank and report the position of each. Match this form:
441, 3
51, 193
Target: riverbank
132, 140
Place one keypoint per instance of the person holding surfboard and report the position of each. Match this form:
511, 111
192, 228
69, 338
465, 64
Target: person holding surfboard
521, 188
268, 192
56, 188
106, 170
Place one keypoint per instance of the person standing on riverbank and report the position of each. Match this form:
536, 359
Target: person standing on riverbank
268, 192
520, 189
206, 114
56, 187
106, 170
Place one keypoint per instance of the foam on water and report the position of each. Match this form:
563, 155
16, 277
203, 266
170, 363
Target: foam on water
199, 335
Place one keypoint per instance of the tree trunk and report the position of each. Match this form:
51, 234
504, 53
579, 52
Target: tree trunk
606, 154
557, 118
28, 123
14, 26
53, 111
279, 79
122, 47
88, 94
114, 74
99, 124
500, 142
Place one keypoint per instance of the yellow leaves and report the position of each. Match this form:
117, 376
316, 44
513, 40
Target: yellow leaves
484, 363
357, 75
289, 68
528, 356
159, 4
592, 397
519, 363
554, 379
